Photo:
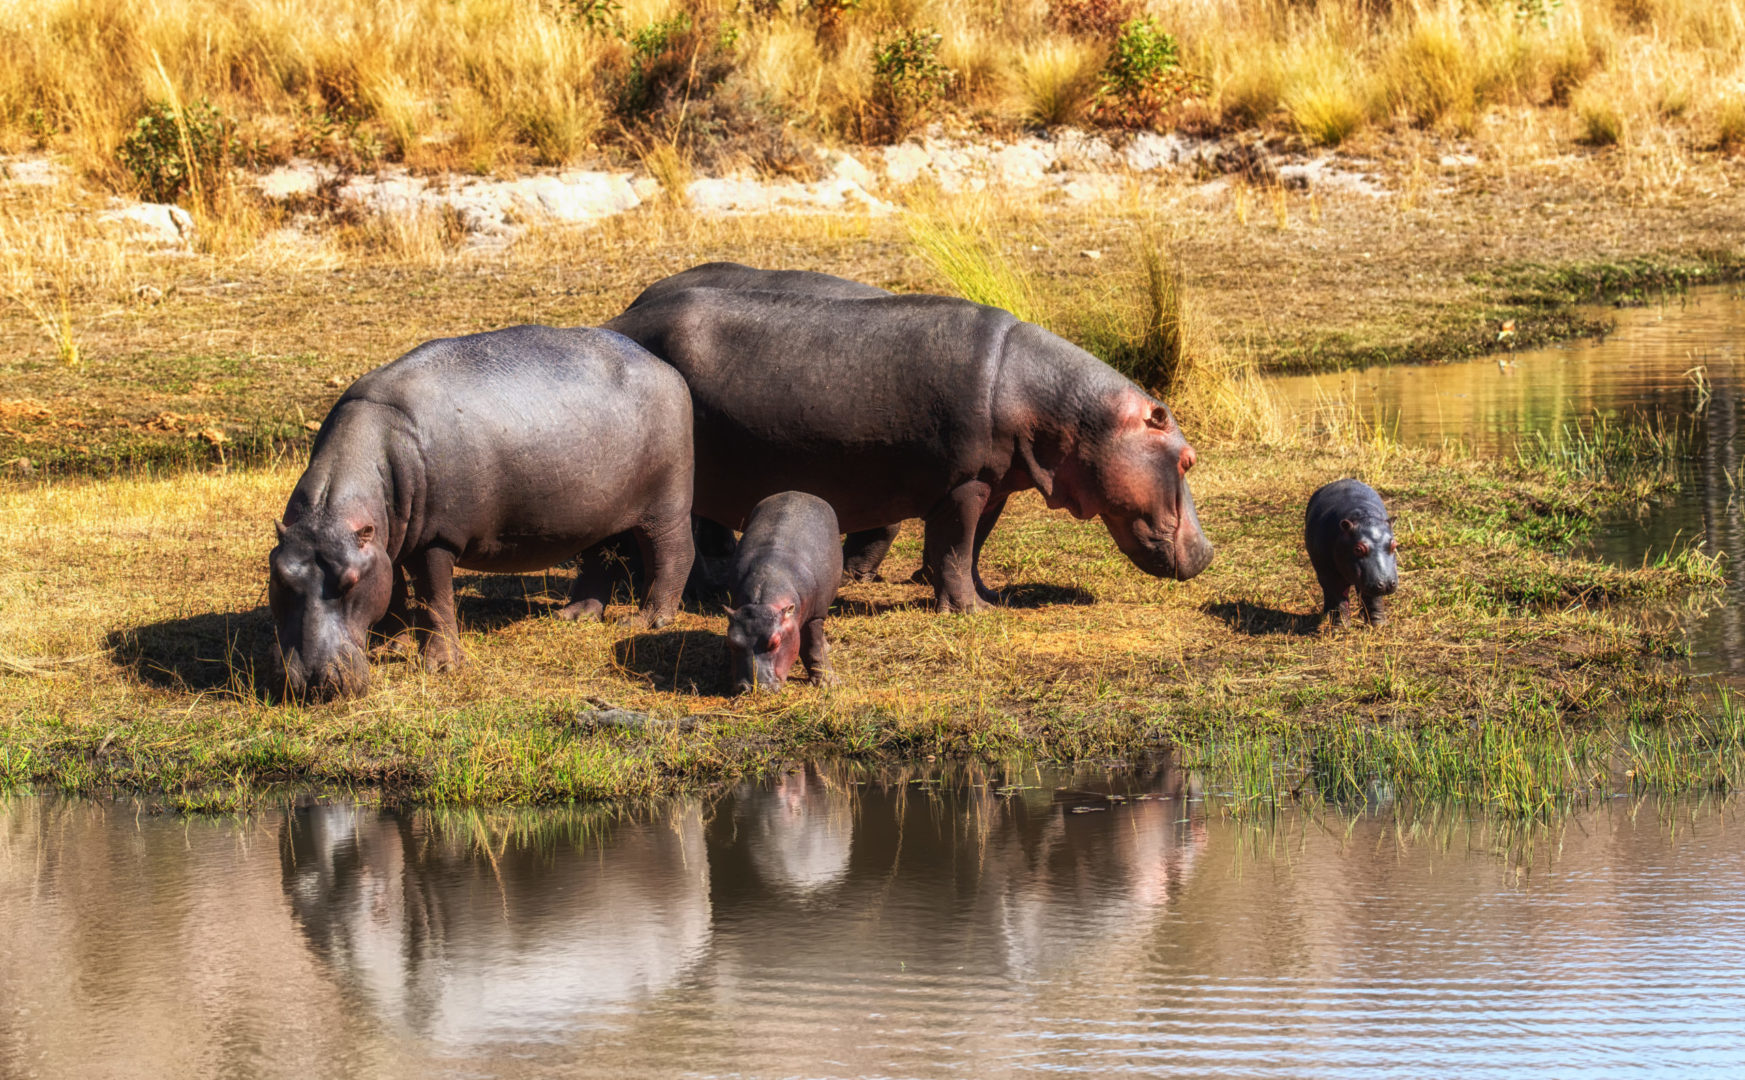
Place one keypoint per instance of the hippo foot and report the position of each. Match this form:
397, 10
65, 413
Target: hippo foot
438, 660
644, 620
825, 677
863, 577
967, 605
589, 610
401, 646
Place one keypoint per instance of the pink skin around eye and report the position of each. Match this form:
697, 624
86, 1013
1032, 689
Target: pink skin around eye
774, 643
1362, 550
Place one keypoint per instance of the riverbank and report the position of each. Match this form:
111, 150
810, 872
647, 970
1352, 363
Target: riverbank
151, 592
117, 356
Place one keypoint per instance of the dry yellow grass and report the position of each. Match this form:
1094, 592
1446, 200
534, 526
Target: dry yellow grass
497, 84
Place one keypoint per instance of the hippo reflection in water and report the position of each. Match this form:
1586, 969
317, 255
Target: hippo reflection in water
467, 948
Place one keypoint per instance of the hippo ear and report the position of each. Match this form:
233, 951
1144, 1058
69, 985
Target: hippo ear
280, 528
365, 535
727, 610
1159, 418
1347, 525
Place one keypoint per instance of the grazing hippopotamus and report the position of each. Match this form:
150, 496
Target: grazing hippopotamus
892, 407
785, 575
1351, 544
862, 552
509, 451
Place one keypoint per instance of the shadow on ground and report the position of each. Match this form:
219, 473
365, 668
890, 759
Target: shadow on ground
1258, 619
1038, 595
226, 651
679, 661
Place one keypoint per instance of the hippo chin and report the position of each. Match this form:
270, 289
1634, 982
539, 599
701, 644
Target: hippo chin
1351, 545
510, 451
785, 575
892, 407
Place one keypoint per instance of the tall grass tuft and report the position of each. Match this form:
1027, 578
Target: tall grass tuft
1057, 81
965, 258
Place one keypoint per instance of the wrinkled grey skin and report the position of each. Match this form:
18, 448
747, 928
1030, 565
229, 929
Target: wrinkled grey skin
892, 407
1351, 545
785, 575
862, 552
510, 452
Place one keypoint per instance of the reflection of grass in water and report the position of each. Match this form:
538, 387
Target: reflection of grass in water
1518, 766
1635, 451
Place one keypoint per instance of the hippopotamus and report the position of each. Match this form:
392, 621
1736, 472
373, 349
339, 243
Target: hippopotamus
509, 451
785, 574
1351, 544
862, 552
891, 407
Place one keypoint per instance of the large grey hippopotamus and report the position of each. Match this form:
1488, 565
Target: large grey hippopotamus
862, 551
892, 407
509, 451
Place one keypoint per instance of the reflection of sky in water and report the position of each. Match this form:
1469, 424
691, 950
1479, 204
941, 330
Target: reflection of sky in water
1642, 370
927, 929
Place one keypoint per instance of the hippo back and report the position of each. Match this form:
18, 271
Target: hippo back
736, 276
878, 405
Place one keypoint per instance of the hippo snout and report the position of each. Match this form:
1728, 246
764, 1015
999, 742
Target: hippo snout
346, 674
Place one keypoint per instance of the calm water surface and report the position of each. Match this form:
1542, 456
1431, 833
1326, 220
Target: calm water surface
1641, 373
839, 923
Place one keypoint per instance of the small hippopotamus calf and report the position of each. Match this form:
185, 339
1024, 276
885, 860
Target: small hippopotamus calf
785, 574
1351, 544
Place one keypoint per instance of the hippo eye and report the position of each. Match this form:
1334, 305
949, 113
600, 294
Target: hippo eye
1362, 549
1392, 546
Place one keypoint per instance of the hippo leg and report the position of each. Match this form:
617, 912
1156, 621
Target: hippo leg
395, 629
951, 531
1374, 610
815, 653
592, 588
863, 551
984, 526
1334, 602
433, 586
668, 551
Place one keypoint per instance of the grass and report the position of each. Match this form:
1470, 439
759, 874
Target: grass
483, 85
1091, 658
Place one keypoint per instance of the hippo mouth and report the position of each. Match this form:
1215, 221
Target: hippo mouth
1174, 552
344, 675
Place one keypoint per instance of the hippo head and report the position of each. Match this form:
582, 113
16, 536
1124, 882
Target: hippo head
1133, 473
763, 640
329, 581
1368, 546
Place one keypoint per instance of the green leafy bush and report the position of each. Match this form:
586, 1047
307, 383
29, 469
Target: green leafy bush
908, 79
169, 155
1143, 79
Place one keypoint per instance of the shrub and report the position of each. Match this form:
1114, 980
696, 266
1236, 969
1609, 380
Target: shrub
674, 59
1143, 79
909, 80
169, 154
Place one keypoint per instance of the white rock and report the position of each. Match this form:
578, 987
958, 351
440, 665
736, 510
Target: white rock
579, 196
1149, 152
906, 162
1023, 164
1459, 161
30, 171
845, 166
299, 177
153, 223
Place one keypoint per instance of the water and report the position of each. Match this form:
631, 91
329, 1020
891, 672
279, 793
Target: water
838, 923
1641, 372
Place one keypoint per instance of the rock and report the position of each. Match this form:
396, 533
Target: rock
841, 165
591, 721
905, 163
1150, 152
1459, 161
298, 178
1092, 254
31, 171
154, 223
1023, 164
577, 196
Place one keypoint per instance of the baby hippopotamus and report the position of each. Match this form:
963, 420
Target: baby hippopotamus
785, 574
1351, 544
